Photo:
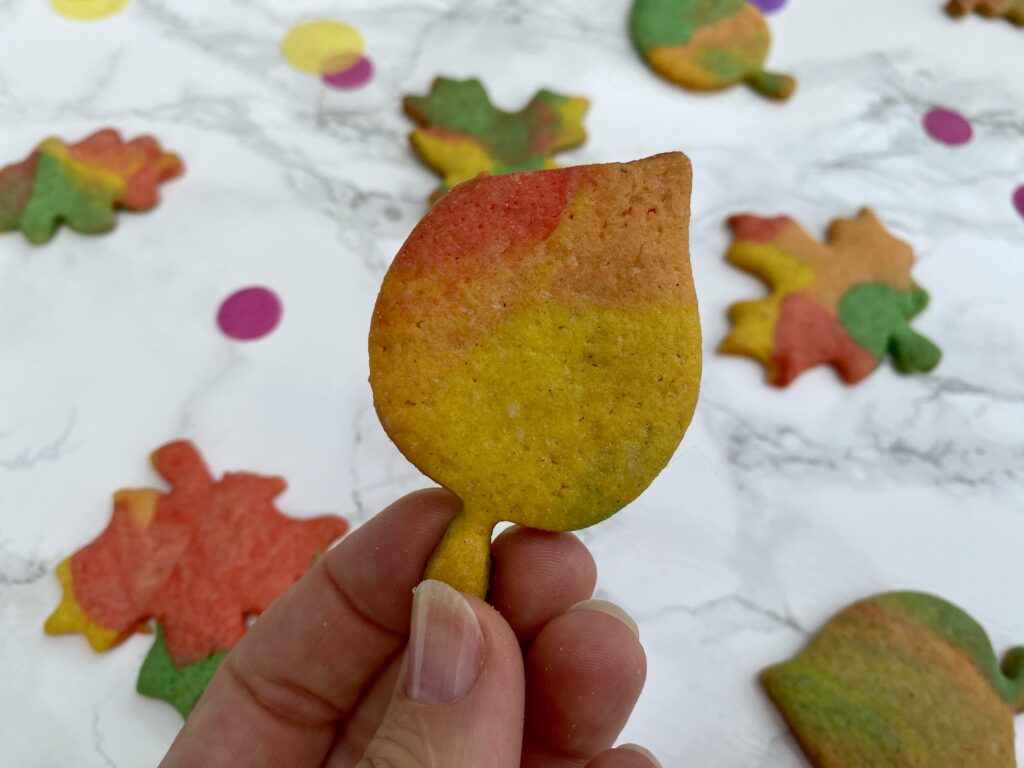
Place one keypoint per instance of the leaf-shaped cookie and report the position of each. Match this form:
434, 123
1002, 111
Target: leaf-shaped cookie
847, 303
1011, 10
462, 135
903, 680
82, 184
706, 45
198, 558
535, 347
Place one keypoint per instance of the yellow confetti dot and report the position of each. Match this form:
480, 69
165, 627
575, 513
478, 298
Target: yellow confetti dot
317, 47
87, 10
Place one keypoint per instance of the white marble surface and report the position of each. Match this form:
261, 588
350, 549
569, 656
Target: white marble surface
779, 508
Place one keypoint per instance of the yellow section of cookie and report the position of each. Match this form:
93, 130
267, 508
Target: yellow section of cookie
594, 412
572, 111
754, 321
69, 617
456, 158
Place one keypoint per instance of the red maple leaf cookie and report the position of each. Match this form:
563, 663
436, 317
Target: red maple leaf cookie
198, 558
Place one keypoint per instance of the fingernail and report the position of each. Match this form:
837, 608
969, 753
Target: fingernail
609, 609
446, 646
645, 752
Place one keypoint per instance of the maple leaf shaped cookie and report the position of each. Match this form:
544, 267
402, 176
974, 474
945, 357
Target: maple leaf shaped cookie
198, 558
82, 184
1011, 10
462, 135
905, 680
846, 304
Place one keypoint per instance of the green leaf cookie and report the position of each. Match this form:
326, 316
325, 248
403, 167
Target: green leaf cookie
462, 135
901, 680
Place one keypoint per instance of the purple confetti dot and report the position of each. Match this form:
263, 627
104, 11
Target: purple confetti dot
770, 6
250, 313
1018, 199
353, 77
948, 126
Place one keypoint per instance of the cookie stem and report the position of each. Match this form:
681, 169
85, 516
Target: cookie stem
1013, 669
772, 85
463, 558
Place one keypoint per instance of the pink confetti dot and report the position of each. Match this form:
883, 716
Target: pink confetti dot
1018, 199
353, 77
770, 6
948, 126
250, 313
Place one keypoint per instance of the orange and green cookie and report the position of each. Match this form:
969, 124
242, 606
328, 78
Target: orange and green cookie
847, 303
181, 687
462, 135
903, 680
707, 45
1011, 10
83, 184
199, 559
535, 347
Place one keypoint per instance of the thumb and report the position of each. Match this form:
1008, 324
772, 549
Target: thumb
459, 696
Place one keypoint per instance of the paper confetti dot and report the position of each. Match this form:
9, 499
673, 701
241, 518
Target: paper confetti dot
87, 10
948, 126
770, 6
1018, 199
250, 313
321, 47
355, 76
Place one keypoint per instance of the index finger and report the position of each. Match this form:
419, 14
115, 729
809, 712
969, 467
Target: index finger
307, 661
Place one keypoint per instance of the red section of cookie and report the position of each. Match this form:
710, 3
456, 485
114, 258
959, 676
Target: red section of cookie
807, 335
756, 228
481, 218
141, 163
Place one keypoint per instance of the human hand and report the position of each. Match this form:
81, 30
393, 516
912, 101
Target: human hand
336, 674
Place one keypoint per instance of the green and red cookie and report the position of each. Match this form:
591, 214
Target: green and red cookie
901, 680
707, 45
83, 184
461, 134
846, 303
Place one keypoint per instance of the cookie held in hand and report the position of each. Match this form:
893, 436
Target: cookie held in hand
902, 679
847, 303
707, 45
535, 347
